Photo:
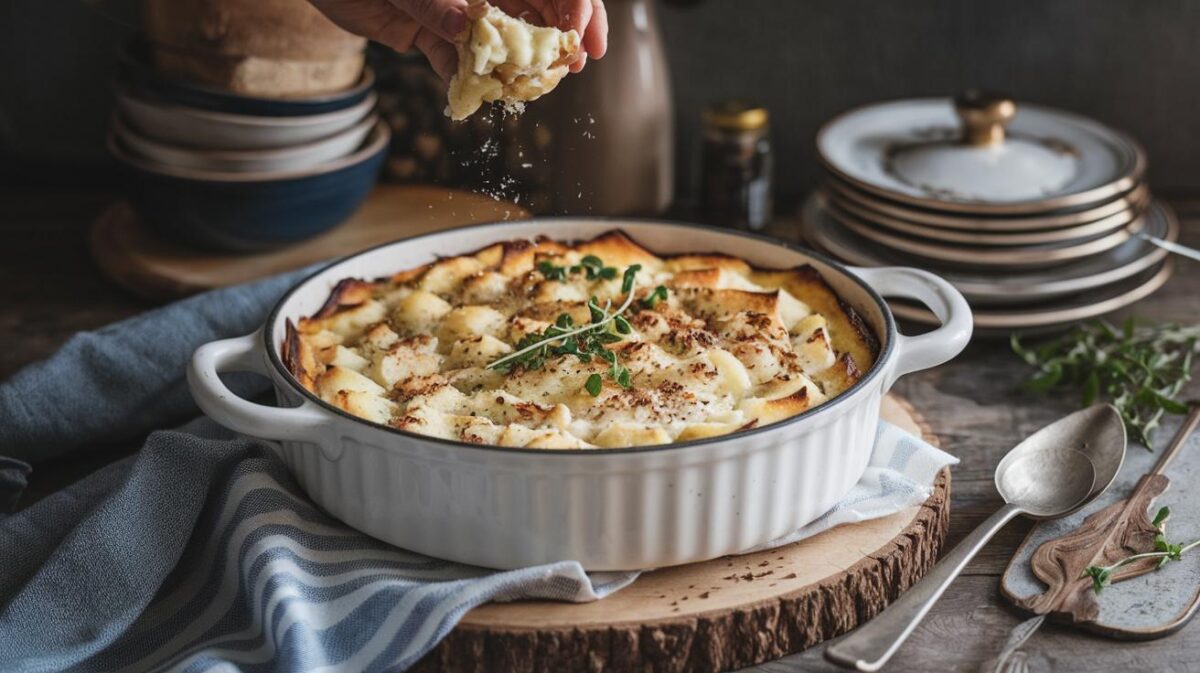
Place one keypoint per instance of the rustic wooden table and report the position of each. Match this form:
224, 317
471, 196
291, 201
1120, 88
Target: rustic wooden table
49, 289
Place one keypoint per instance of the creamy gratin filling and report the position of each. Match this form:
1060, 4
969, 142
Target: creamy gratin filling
601, 343
502, 58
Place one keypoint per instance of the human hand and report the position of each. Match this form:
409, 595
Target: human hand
428, 25
431, 25
586, 17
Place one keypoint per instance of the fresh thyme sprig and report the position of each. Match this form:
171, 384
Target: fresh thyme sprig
591, 265
659, 294
1140, 369
1166, 552
584, 342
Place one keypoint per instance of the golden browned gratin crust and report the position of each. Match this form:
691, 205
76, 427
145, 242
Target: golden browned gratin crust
464, 348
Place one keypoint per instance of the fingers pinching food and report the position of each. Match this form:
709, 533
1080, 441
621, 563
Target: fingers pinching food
506, 59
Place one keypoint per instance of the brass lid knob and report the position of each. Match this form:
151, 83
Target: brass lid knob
984, 116
735, 115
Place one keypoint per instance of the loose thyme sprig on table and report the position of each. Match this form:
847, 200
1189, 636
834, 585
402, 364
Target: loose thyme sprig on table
587, 341
1140, 369
1166, 552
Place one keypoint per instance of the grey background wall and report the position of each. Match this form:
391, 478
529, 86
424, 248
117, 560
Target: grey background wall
1134, 64
55, 61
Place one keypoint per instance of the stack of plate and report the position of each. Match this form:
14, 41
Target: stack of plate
1040, 217
213, 168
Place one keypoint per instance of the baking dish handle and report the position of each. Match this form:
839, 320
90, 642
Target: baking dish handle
914, 353
243, 354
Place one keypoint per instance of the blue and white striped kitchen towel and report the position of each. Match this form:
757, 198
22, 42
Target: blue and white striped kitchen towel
201, 553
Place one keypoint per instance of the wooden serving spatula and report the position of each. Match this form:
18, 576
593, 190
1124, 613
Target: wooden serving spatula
1121, 529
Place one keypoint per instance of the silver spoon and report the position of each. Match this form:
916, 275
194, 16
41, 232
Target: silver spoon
1170, 246
1054, 472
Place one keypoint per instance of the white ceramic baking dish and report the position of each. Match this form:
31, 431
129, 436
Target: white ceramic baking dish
610, 509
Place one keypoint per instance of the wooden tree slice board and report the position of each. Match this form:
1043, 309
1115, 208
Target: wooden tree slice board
718, 615
142, 262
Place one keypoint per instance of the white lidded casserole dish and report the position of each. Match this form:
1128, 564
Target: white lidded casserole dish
609, 509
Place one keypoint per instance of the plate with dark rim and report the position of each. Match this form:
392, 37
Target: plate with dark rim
994, 289
842, 206
1135, 199
857, 146
1055, 314
1008, 258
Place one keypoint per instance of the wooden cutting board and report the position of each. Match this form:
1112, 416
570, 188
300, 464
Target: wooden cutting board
718, 615
136, 258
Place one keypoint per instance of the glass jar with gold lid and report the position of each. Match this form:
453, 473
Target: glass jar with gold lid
735, 186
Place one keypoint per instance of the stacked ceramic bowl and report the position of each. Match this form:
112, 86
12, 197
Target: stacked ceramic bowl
215, 169
1040, 217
